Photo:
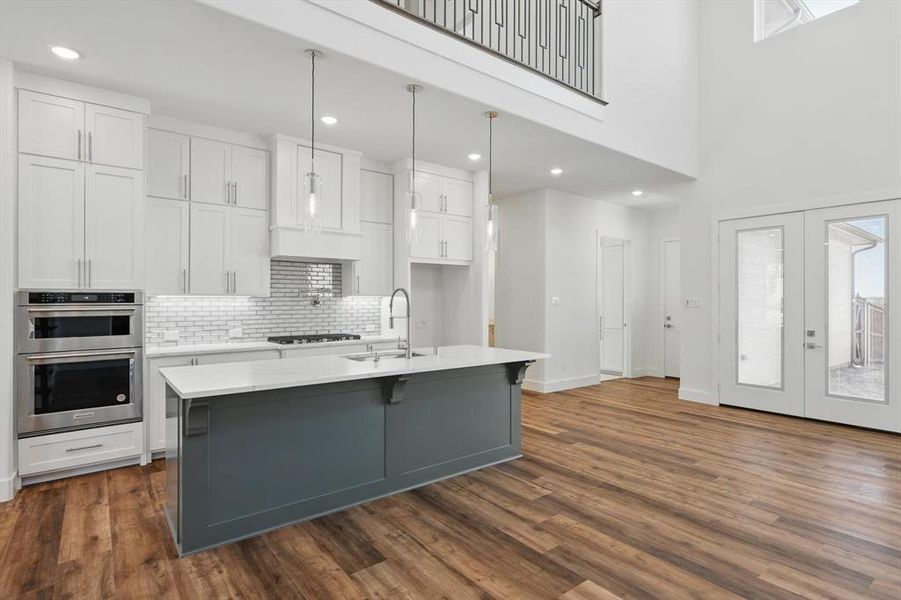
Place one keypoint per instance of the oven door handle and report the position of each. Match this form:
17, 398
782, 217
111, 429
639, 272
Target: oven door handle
107, 355
88, 308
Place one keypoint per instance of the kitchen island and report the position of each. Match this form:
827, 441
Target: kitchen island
258, 445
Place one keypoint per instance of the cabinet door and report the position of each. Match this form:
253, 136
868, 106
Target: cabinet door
168, 159
167, 233
209, 249
51, 126
51, 222
210, 171
457, 196
250, 177
115, 137
328, 166
155, 399
429, 244
376, 269
376, 197
457, 233
250, 252
429, 188
114, 227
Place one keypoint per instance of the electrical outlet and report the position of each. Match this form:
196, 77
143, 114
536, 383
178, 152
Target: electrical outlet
170, 335
555, 301
235, 332
422, 324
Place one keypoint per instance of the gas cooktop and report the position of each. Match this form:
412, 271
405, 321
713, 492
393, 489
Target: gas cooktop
312, 338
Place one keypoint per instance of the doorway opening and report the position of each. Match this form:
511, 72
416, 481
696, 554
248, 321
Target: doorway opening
613, 307
672, 304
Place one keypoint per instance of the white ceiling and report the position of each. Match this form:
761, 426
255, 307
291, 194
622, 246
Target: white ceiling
199, 64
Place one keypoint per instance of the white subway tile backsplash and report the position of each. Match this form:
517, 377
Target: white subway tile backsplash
289, 310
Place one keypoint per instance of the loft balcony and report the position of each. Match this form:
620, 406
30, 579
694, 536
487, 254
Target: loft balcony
558, 39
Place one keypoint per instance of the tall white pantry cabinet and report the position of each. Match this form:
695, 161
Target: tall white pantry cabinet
81, 192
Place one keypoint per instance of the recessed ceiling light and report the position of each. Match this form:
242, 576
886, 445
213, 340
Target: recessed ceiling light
637, 193
556, 171
329, 120
66, 53
474, 156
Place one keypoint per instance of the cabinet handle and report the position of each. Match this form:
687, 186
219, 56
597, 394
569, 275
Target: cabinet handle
90, 272
185, 180
79, 144
228, 192
78, 268
234, 282
184, 280
91, 146
358, 283
235, 195
84, 448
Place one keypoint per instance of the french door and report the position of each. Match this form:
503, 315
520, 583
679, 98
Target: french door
808, 324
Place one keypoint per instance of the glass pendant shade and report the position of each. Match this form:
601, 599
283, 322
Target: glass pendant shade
414, 227
492, 229
311, 203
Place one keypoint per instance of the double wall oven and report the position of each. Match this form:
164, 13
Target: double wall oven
79, 359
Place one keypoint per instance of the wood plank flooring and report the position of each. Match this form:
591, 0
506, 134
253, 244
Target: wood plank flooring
624, 492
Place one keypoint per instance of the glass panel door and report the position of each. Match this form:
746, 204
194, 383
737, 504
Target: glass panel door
852, 345
761, 313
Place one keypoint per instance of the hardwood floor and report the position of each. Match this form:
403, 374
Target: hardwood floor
624, 492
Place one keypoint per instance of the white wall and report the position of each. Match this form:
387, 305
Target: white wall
7, 278
549, 249
806, 118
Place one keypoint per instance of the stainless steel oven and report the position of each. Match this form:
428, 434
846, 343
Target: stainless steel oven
79, 359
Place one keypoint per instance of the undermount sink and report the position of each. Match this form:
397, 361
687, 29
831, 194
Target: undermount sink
372, 355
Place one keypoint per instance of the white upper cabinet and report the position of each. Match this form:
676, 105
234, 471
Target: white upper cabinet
210, 171
114, 227
457, 234
250, 177
430, 243
376, 197
168, 163
249, 260
457, 196
328, 167
51, 222
429, 188
167, 233
50, 126
115, 137
65, 128
375, 272
210, 250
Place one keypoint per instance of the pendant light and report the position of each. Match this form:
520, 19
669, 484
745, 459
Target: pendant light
414, 231
310, 208
491, 236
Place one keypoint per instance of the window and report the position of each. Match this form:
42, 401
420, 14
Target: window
776, 16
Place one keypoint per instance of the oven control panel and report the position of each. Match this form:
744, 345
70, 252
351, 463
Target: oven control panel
81, 298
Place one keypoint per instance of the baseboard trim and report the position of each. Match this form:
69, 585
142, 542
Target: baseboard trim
699, 396
646, 372
65, 473
547, 387
8, 488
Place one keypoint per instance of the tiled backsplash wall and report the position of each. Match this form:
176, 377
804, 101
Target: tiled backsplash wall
290, 309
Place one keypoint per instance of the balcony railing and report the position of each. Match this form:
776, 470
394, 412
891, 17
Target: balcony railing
560, 39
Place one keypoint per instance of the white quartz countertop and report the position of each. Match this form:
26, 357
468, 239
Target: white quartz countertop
204, 381
222, 348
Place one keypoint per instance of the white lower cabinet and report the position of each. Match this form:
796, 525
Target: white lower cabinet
167, 231
74, 449
155, 389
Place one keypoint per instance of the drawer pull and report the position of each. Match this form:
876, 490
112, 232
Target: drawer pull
84, 448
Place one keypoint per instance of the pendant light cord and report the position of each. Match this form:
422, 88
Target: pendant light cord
490, 155
313, 113
413, 181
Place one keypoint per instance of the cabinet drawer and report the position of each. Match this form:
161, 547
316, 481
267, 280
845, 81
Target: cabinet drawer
79, 448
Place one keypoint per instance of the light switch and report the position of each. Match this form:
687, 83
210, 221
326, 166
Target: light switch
555, 301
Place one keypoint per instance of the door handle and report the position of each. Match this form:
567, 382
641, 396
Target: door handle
812, 345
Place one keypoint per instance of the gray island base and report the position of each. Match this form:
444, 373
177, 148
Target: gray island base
239, 464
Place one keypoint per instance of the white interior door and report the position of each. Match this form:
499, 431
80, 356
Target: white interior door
672, 308
612, 306
761, 353
853, 343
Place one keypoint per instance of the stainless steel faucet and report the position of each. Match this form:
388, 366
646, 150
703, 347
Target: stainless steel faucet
409, 346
